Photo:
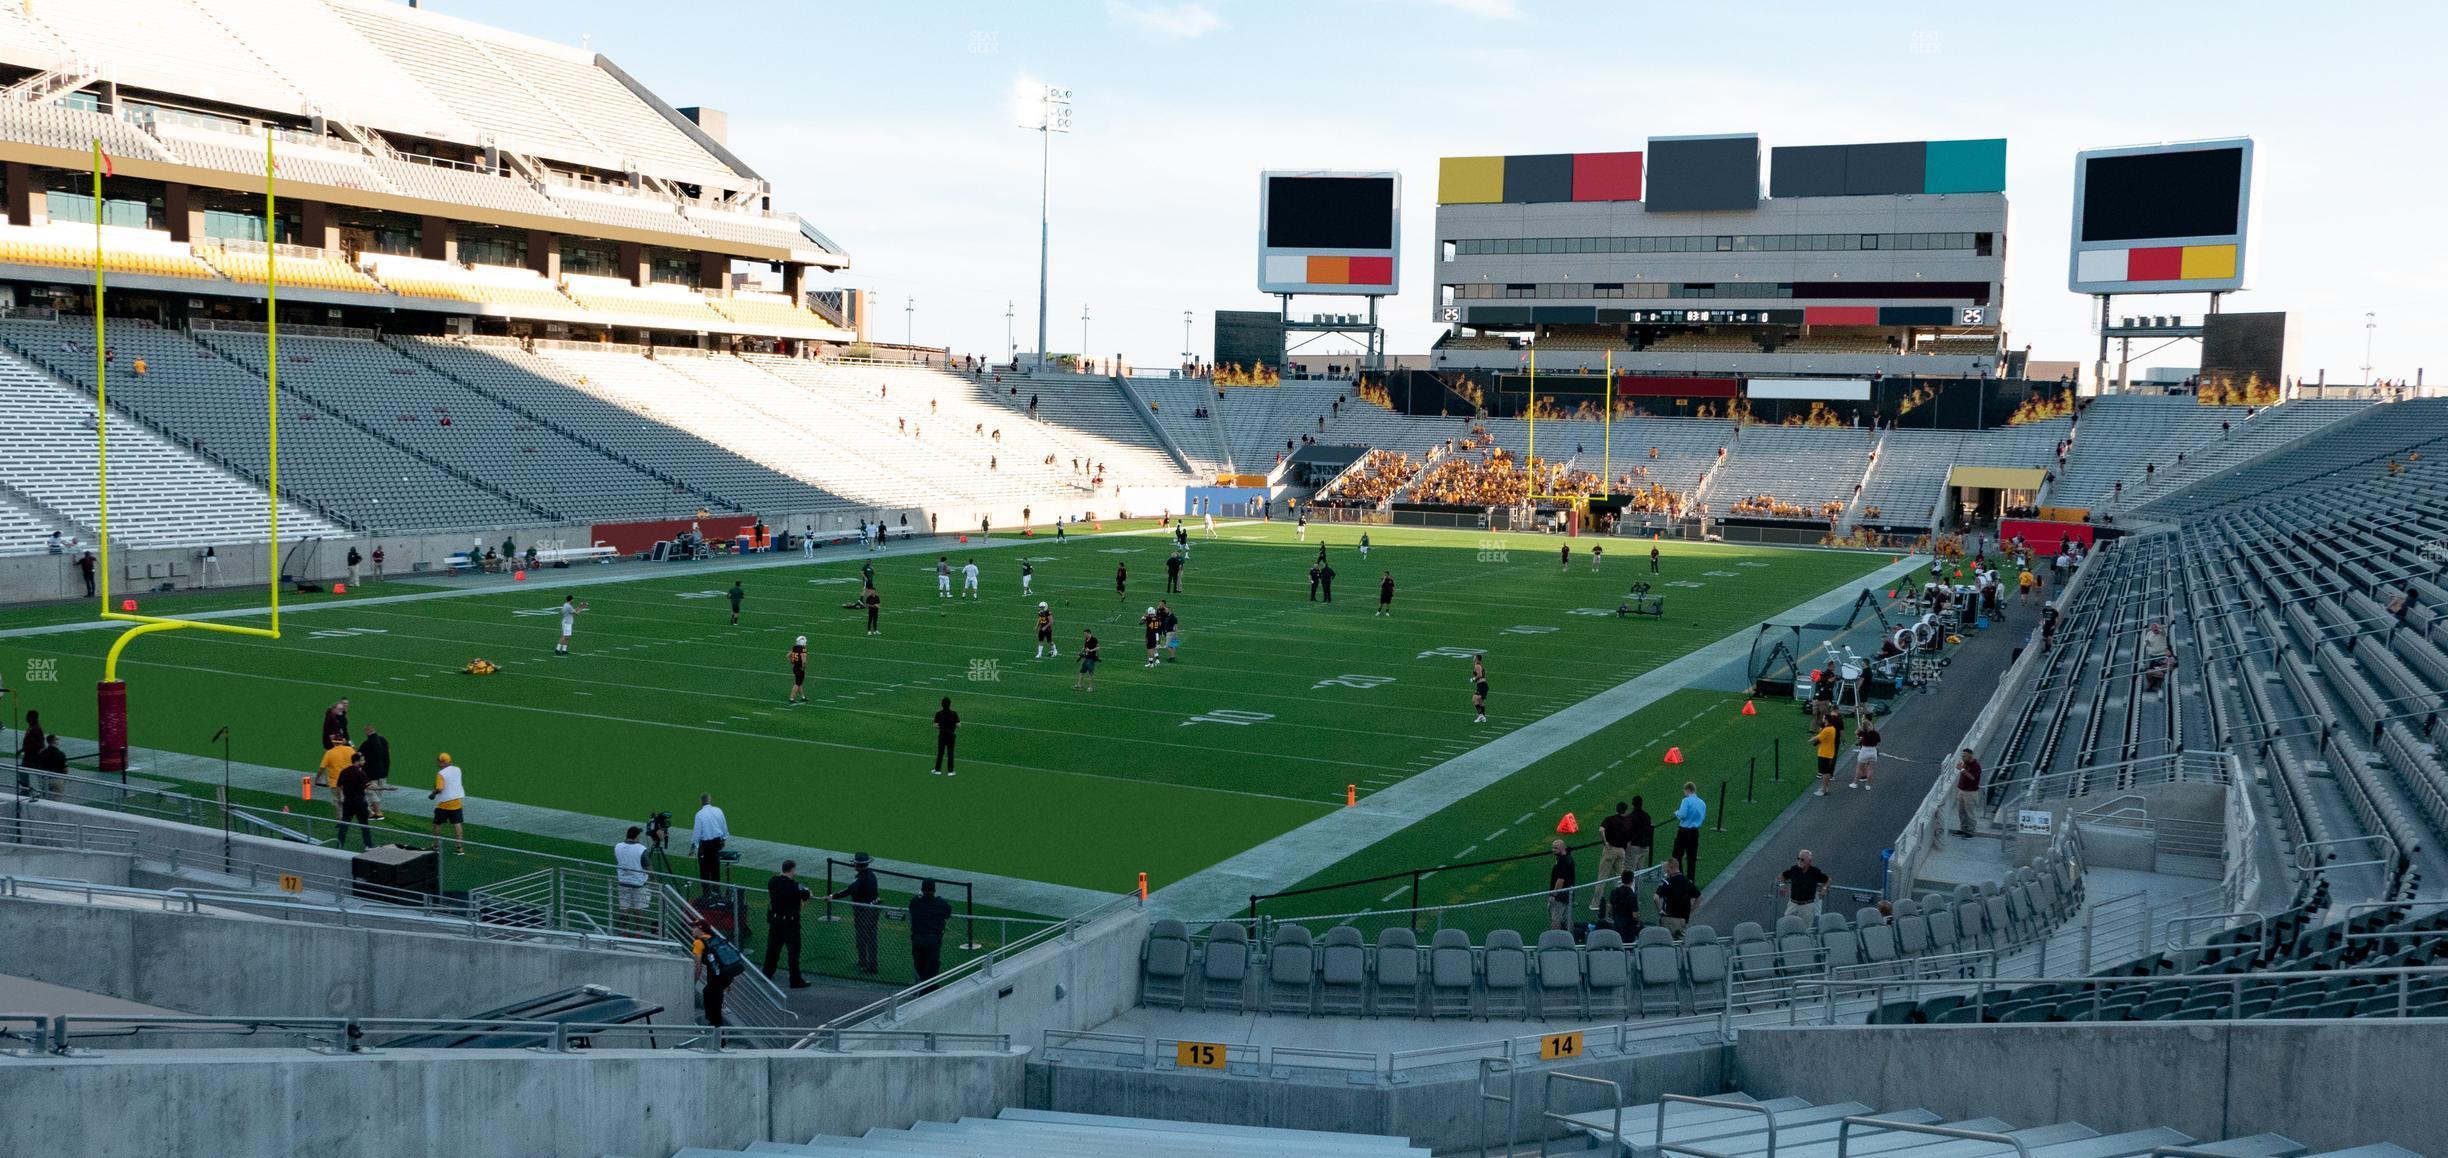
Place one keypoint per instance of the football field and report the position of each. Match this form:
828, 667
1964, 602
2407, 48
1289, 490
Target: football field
1277, 707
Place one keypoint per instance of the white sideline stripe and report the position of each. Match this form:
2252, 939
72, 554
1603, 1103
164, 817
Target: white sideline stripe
1226, 886
1001, 891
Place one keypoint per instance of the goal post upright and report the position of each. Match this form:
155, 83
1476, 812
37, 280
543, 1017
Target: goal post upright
111, 706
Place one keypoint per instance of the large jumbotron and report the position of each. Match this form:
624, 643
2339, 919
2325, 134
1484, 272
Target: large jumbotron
741, 733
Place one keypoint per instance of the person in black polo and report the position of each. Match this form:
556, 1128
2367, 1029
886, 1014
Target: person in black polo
1802, 883
947, 724
862, 892
783, 897
928, 915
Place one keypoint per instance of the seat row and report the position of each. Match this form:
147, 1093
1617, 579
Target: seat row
1342, 973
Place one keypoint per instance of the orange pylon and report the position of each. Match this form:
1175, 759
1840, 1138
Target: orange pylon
1674, 755
305, 788
1569, 825
1143, 887
1749, 709
1351, 795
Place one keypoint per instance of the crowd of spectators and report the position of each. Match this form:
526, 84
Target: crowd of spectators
1379, 474
1770, 506
1497, 479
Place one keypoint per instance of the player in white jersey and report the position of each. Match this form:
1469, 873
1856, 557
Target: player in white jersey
943, 577
1210, 517
1027, 573
570, 609
969, 574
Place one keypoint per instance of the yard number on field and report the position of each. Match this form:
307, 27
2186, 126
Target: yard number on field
345, 632
1448, 653
1230, 716
695, 595
1198, 1055
1560, 1046
1527, 630
1363, 682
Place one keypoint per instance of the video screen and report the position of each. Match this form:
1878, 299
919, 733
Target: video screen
1330, 212
2159, 195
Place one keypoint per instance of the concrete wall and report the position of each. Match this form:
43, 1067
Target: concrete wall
101, 868
482, 1103
199, 848
1441, 1112
1078, 984
236, 966
2327, 1084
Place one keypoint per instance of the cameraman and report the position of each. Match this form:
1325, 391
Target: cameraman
629, 874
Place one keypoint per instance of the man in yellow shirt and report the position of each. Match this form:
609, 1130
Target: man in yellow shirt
1826, 743
2026, 583
335, 758
450, 802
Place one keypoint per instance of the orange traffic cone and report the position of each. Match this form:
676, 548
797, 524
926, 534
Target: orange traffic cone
1568, 825
127, 605
1674, 755
1351, 795
342, 588
1750, 709
305, 790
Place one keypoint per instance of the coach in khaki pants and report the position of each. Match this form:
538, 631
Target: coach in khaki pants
1614, 847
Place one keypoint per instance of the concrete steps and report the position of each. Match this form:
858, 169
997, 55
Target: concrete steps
1807, 1130
1051, 1134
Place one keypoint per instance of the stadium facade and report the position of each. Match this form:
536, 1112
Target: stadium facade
1859, 259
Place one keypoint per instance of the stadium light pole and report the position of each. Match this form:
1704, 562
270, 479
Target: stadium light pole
1185, 341
2371, 322
1047, 109
1083, 335
909, 321
1011, 348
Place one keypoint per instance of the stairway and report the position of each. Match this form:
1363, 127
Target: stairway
1807, 1130
1052, 1132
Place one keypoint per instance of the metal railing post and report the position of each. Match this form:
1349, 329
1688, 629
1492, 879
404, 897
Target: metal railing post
1547, 1103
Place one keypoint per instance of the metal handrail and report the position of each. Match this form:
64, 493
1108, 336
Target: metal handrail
2260, 920
1844, 1134
1547, 1098
2384, 840
55, 1033
1658, 1141
1512, 1072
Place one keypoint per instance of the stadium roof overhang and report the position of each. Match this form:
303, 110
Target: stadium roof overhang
140, 167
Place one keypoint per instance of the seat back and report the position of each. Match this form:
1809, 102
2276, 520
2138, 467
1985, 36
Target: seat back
1227, 952
1911, 928
1878, 938
1605, 964
1507, 964
1292, 958
1796, 947
1559, 960
1835, 936
1168, 950
1342, 958
1656, 960
1398, 957
1705, 958
1450, 962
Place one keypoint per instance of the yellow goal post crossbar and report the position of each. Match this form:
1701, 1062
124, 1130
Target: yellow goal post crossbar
1606, 445
147, 624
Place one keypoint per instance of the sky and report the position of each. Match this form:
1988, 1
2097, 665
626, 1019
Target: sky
891, 127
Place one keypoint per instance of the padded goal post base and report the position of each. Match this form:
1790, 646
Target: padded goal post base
110, 716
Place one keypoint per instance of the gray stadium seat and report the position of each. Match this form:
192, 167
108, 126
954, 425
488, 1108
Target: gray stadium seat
1607, 970
1291, 970
1797, 949
1225, 969
1452, 972
1754, 955
1878, 938
1559, 974
1941, 919
1657, 962
1837, 938
1912, 932
1706, 964
1342, 961
1395, 972
1505, 973
1164, 964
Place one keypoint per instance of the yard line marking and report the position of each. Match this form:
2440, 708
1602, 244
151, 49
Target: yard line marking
1467, 851
1551, 801
1398, 891
1618, 760
1524, 818
1491, 837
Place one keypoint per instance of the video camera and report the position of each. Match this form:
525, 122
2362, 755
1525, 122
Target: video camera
658, 830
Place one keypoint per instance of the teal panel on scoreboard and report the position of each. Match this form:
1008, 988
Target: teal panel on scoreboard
1966, 166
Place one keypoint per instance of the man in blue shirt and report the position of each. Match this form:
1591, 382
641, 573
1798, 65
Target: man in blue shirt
1688, 817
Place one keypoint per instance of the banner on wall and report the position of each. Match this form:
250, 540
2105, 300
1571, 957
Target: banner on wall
1811, 389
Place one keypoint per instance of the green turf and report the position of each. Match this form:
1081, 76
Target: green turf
664, 699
